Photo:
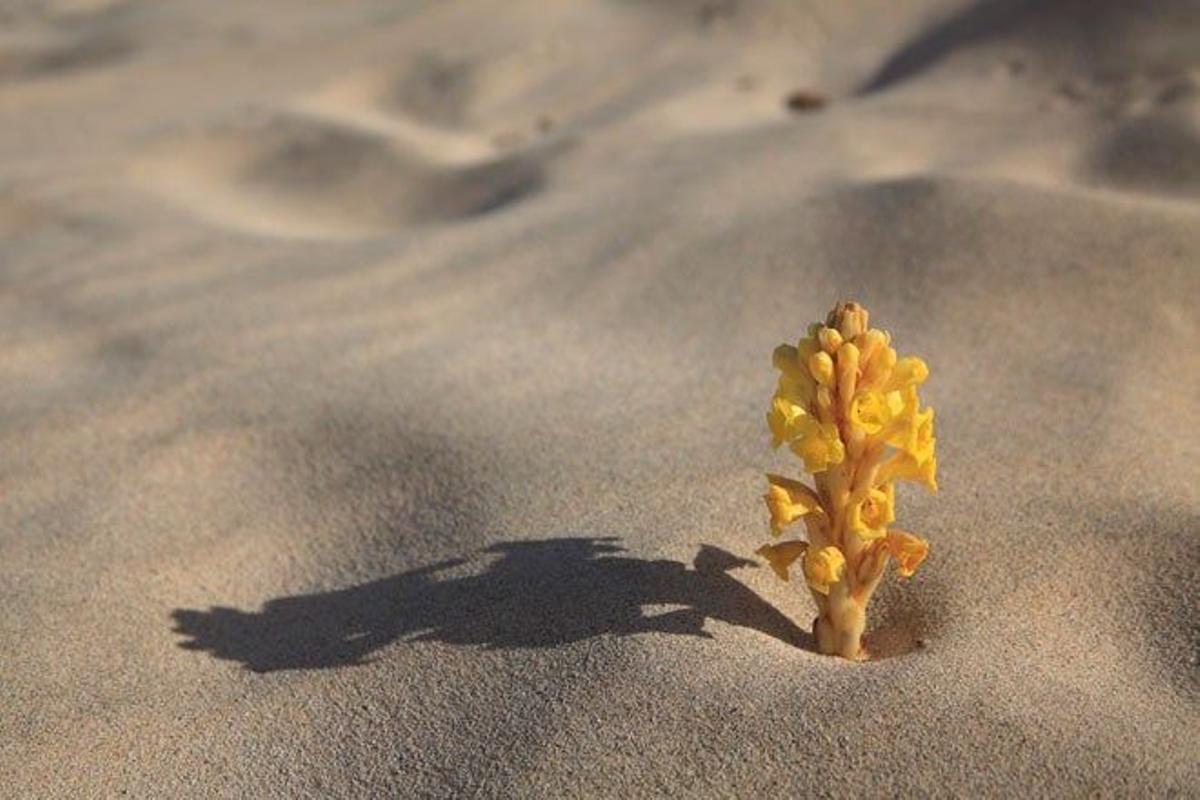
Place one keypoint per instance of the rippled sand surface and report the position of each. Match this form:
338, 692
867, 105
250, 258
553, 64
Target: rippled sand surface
382, 392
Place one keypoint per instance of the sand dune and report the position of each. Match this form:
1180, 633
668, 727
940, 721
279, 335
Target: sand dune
382, 390
314, 177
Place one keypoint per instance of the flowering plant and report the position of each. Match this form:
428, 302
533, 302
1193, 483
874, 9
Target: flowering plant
849, 409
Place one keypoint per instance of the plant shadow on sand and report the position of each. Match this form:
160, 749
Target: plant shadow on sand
535, 594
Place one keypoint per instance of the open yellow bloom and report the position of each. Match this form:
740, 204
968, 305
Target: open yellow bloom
909, 371
795, 382
781, 556
908, 550
912, 431
788, 501
870, 518
781, 419
904, 467
818, 444
870, 410
823, 568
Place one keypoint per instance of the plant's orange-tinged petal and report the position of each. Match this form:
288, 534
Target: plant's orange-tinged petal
908, 550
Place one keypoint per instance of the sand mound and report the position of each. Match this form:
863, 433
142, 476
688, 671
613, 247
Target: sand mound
303, 176
1050, 39
62, 55
1158, 150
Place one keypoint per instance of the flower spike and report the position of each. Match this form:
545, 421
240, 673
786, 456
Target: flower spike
849, 409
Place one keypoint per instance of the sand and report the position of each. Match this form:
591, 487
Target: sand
382, 393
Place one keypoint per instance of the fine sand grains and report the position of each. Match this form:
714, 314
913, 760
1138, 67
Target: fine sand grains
382, 392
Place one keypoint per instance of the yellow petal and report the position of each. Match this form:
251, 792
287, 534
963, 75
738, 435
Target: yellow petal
785, 359
818, 444
870, 517
871, 411
909, 371
782, 420
824, 567
788, 500
781, 556
902, 466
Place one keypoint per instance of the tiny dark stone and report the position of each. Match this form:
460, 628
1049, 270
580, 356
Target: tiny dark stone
920, 644
803, 100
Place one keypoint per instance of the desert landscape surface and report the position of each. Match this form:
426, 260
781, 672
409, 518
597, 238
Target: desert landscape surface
382, 392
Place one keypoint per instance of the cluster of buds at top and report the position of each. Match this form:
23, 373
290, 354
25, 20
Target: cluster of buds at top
848, 407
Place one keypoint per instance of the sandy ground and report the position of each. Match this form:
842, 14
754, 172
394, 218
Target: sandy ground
382, 391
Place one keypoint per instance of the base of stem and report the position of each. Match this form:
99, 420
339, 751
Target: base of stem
840, 629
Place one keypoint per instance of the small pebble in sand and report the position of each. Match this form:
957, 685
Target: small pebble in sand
803, 100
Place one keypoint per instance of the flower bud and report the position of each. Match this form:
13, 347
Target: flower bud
829, 339
878, 370
847, 375
849, 318
870, 343
821, 367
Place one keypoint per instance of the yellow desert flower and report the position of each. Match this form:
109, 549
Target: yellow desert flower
850, 409
909, 371
817, 443
904, 466
871, 410
781, 556
781, 419
869, 517
908, 550
823, 568
912, 430
788, 501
